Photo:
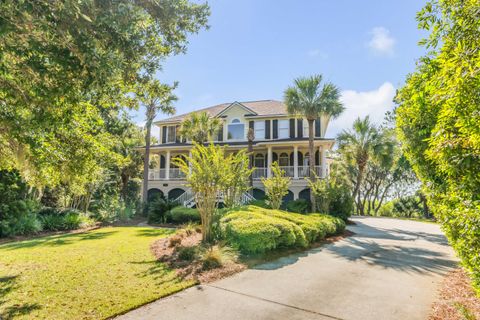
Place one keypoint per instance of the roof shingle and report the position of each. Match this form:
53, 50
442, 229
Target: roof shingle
260, 107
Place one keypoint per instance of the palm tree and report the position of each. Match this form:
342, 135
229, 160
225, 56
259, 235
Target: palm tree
156, 97
200, 127
251, 138
359, 144
310, 99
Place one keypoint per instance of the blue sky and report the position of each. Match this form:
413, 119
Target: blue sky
255, 48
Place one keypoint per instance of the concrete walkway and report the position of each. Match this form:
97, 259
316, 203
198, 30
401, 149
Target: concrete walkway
390, 269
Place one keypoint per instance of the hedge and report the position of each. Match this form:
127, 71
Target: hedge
253, 229
184, 215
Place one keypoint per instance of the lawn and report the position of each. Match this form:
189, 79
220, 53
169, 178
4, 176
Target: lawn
92, 275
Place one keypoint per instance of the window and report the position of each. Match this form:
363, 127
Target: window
259, 160
171, 133
283, 160
283, 129
259, 130
236, 130
305, 128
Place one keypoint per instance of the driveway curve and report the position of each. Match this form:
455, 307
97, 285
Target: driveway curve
389, 269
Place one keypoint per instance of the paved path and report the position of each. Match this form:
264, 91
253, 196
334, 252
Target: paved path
390, 269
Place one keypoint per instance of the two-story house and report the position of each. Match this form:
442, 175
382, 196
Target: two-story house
278, 137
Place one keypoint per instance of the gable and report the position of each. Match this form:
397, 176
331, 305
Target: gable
236, 109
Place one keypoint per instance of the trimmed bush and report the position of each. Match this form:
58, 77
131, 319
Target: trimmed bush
253, 229
298, 206
181, 215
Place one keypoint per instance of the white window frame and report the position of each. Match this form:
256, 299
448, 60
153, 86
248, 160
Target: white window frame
259, 127
283, 129
168, 134
283, 156
232, 123
258, 156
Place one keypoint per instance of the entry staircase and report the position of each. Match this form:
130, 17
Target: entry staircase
187, 199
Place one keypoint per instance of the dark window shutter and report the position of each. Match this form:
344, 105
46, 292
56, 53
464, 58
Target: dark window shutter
274, 156
251, 125
162, 162
220, 133
299, 128
317, 127
300, 158
275, 129
177, 134
267, 129
292, 128
164, 134
317, 158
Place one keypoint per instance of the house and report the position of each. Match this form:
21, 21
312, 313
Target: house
278, 137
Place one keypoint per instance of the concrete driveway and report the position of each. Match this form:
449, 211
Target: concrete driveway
390, 269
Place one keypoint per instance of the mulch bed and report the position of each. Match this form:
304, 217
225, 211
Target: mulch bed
166, 251
457, 299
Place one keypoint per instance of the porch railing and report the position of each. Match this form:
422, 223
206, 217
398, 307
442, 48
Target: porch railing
258, 173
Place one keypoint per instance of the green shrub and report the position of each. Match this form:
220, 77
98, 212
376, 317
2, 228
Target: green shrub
217, 256
18, 218
341, 202
69, 219
254, 230
158, 210
181, 215
52, 222
48, 211
298, 206
187, 253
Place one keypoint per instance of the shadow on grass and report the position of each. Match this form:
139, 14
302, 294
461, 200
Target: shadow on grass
10, 311
58, 240
154, 232
159, 272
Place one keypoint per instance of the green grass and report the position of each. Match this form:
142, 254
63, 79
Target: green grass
92, 275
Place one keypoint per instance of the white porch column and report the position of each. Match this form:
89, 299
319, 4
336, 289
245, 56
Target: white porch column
323, 162
167, 166
295, 162
269, 162
189, 162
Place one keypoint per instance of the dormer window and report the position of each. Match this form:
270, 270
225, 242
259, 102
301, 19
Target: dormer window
236, 130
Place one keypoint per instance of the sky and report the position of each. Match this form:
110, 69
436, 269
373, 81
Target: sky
254, 49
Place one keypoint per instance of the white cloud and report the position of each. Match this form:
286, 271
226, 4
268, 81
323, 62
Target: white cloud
317, 53
381, 43
361, 104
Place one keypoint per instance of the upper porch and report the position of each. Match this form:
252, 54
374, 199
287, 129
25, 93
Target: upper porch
292, 157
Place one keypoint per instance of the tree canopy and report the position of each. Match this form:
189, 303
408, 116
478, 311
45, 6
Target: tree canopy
64, 65
438, 118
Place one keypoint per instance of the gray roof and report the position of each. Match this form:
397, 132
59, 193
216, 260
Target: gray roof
260, 107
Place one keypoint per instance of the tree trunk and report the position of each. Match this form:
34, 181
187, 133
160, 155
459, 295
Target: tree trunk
311, 161
361, 169
250, 157
146, 161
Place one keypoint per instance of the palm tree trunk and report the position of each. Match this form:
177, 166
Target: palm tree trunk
361, 169
250, 164
146, 161
311, 161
